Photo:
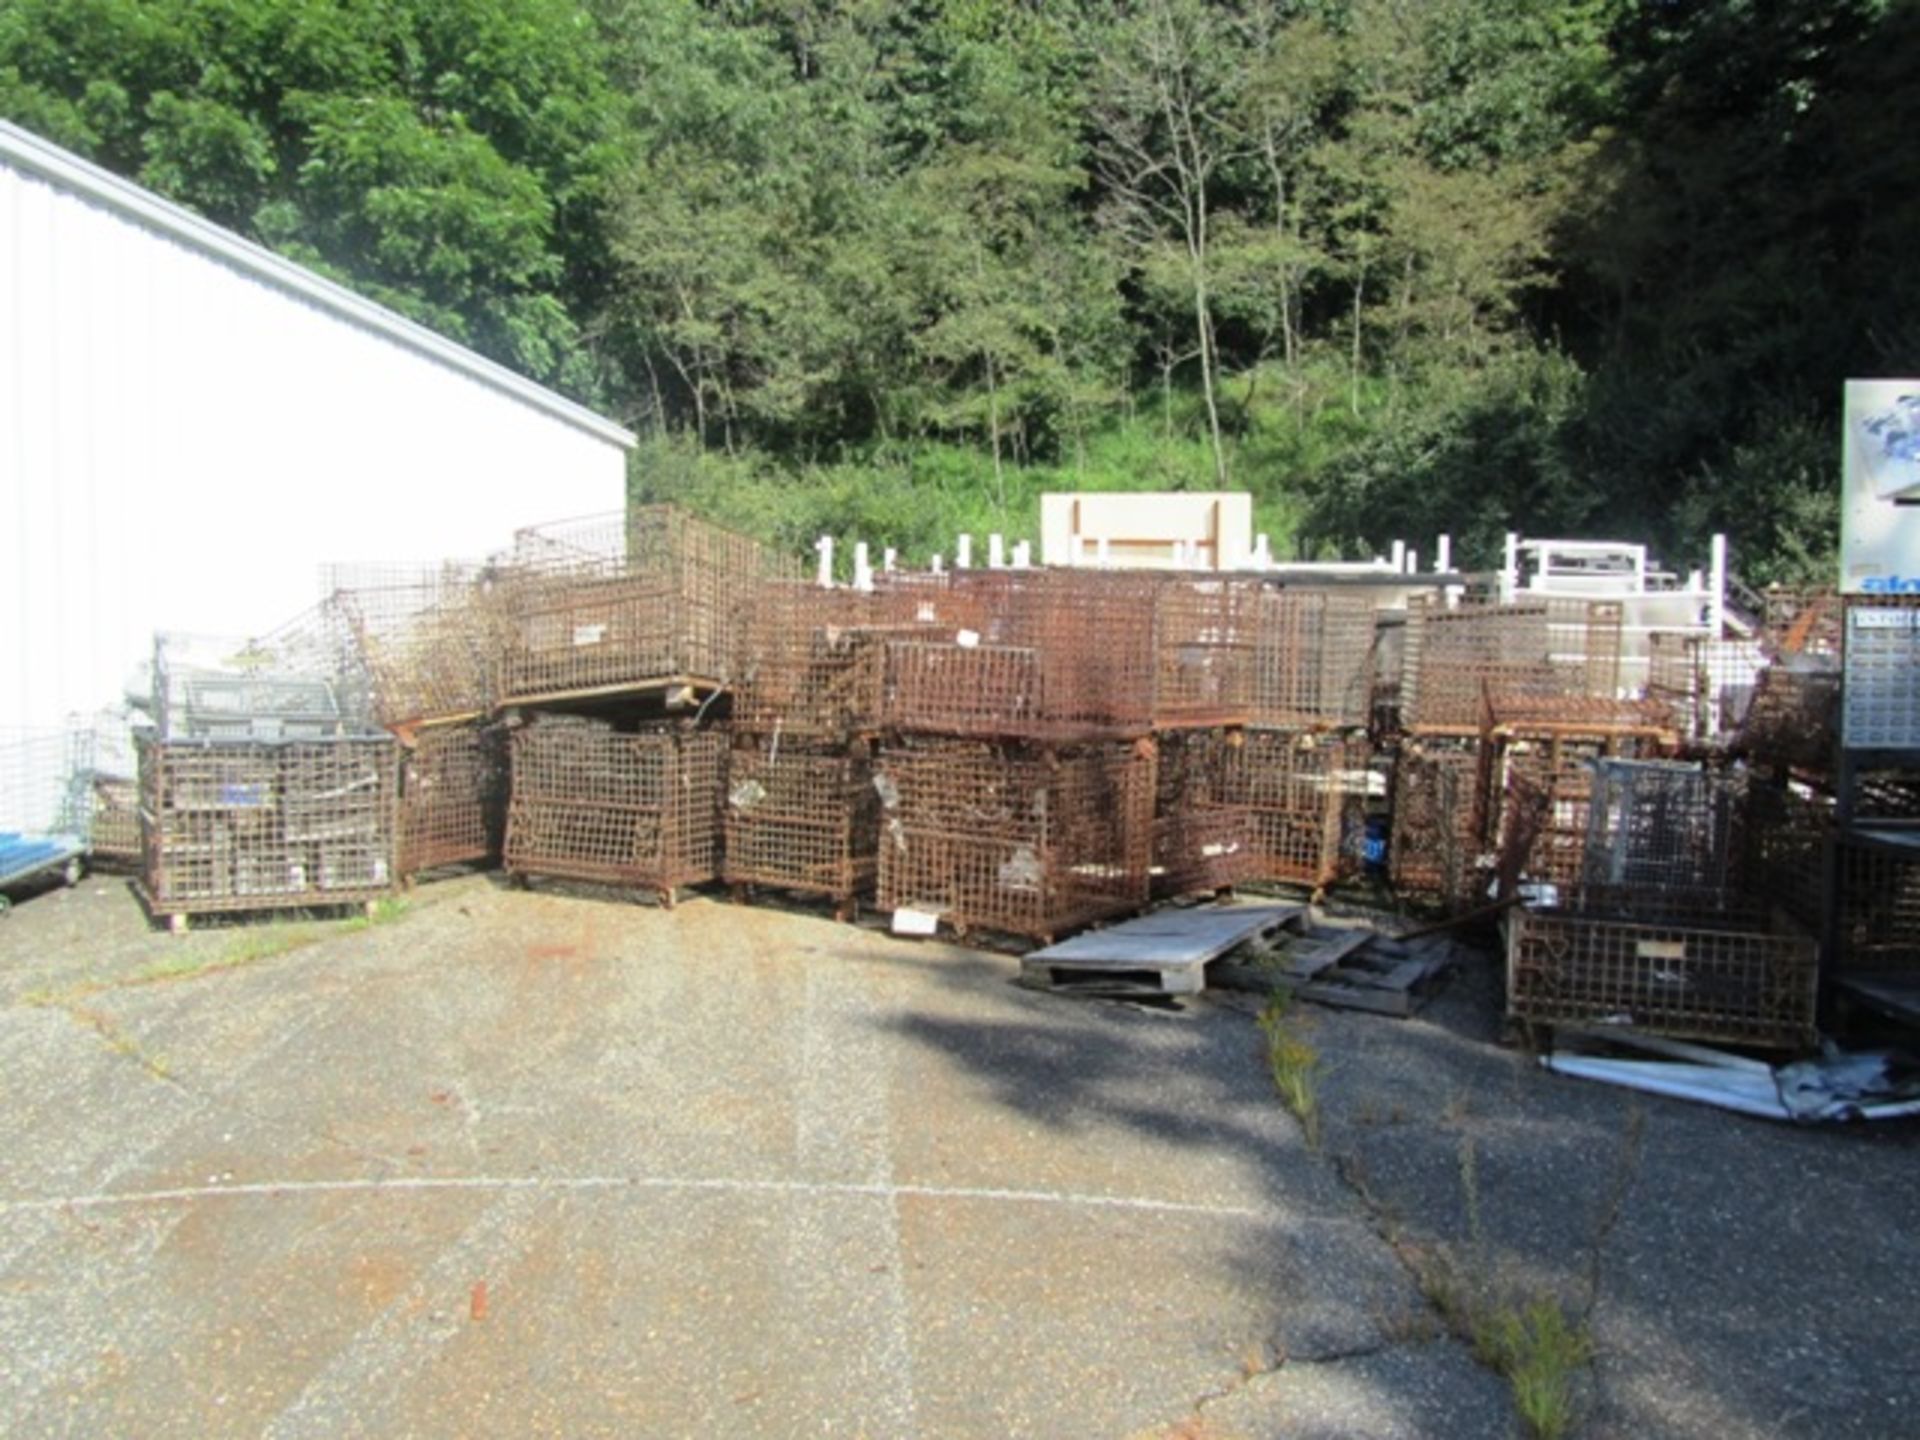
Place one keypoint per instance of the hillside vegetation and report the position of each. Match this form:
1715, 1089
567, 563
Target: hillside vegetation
892, 267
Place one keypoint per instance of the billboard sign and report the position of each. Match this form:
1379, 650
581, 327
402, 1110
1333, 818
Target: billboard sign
1880, 506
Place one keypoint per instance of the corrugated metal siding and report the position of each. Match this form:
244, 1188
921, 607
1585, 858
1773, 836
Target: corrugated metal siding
183, 445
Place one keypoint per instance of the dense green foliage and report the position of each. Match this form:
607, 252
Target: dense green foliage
893, 267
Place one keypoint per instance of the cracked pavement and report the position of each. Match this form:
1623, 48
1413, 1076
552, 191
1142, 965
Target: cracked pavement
546, 1164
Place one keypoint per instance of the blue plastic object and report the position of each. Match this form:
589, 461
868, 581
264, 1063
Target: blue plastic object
24, 856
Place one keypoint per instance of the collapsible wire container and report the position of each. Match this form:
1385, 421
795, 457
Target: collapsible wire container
453, 790
1658, 825
1304, 797
811, 662
1060, 655
1532, 657
1545, 786
1204, 633
1707, 684
1201, 844
426, 639
1697, 966
1437, 830
1022, 840
114, 832
256, 825
587, 802
802, 820
619, 603
1877, 899
1312, 660
45, 813
1784, 837
301, 681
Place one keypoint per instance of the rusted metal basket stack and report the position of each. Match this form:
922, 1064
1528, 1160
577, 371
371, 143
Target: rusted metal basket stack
1303, 792
802, 819
1202, 843
1312, 661
266, 825
1437, 832
591, 802
1015, 838
616, 604
1204, 642
453, 787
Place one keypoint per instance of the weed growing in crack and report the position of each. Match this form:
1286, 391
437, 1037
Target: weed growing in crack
1295, 1066
1540, 1351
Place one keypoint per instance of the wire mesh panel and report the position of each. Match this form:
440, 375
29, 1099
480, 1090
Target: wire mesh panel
453, 785
1021, 840
1435, 839
801, 819
1203, 648
1881, 706
1784, 836
1658, 825
626, 602
427, 640
1060, 655
1312, 661
232, 826
1303, 794
1707, 971
1201, 844
1878, 900
587, 802
1546, 789
1793, 720
301, 681
811, 662
1530, 658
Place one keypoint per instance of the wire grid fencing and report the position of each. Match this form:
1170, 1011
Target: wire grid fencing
1060, 655
1204, 634
1698, 968
1015, 839
802, 819
45, 785
1663, 825
1435, 839
1304, 794
1881, 695
1201, 844
453, 787
1534, 659
1878, 903
425, 637
626, 601
256, 825
1312, 665
587, 802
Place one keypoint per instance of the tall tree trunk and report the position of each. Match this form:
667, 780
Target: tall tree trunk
1353, 373
993, 429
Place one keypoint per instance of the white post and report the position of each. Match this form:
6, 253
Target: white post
1443, 555
1510, 569
996, 553
825, 546
862, 567
963, 553
1022, 555
889, 558
936, 564
1400, 557
1413, 561
1717, 605
1262, 552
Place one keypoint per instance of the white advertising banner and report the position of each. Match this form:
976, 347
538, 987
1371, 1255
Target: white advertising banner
1880, 507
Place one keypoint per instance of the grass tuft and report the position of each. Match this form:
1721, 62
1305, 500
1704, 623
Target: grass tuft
1295, 1066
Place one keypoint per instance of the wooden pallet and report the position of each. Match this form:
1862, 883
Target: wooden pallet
1354, 967
1165, 953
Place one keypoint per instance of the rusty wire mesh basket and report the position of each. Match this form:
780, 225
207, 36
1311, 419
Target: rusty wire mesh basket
1060, 655
1877, 899
1201, 844
1436, 836
1659, 825
1700, 965
1204, 633
811, 661
453, 788
587, 802
625, 602
255, 825
1784, 837
1528, 655
1312, 665
800, 819
1015, 839
1304, 794
426, 637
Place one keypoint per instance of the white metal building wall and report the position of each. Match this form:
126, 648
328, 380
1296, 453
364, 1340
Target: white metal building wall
185, 441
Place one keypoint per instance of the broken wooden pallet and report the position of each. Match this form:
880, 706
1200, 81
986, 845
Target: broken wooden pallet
1352, 966
1165, 953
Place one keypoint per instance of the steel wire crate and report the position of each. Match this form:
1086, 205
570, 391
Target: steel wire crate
453, 787
1528, 653
1438, 825
1784, 837
1544, 789
1877, 903
619, 603
1304, 794
1312, 665
427, 639
1695, 966
1201, 844
300, 681
1658, 825
1059, 656
1204, 632
801, 820
1016, 839
588, 802
257, 825
811, 662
